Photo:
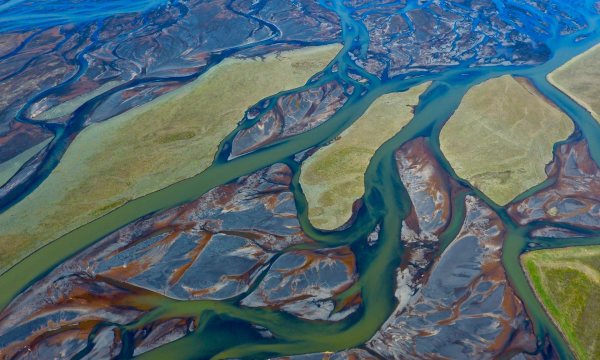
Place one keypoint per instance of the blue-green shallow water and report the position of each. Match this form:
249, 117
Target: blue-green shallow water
224, 329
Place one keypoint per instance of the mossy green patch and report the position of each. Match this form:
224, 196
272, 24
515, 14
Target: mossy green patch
333, 178
178, 136
567, 281
501, 137
150, 147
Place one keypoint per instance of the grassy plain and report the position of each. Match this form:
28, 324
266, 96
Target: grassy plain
150, 147
501, 137
578, 78
333, 177
567, 281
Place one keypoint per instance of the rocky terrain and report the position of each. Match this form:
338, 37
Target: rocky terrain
180, 254
291, 115
302, 283
574, 197
432, 193
465, 307
443, 297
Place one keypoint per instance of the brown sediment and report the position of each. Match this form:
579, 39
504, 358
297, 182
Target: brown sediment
20, 138
425, 179
342, 254
291, 115
161, 332
103, 284
426, 183
324, 274
12, 40
572, 198
193, 255
461, 288
350, 301
55, 337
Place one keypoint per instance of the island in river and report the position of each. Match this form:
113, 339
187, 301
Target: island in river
338, 179
330, 196
501, 137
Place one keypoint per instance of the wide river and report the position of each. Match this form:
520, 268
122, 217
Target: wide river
386, 200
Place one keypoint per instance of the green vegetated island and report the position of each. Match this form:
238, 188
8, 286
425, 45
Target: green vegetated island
578, 78
567, 281
150, 147
332, 179
501, 137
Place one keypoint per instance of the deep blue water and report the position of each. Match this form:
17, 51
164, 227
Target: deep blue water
21, 15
